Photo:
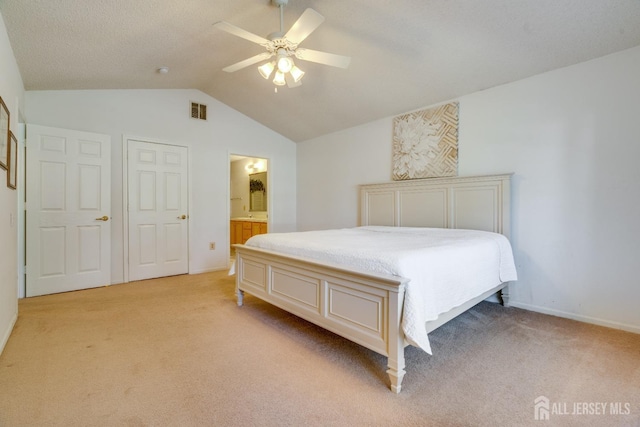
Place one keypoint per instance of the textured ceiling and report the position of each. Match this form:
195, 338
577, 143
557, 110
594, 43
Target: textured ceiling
406, 54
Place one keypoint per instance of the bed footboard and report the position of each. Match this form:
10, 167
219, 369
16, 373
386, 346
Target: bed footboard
357, 305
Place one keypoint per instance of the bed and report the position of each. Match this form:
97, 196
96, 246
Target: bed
379, 305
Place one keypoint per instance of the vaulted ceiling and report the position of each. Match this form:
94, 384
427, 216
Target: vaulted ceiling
406, 54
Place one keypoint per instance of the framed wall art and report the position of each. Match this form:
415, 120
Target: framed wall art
12, 162
425, 143
4, 134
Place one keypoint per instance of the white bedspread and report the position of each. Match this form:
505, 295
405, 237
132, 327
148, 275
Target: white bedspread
446, 267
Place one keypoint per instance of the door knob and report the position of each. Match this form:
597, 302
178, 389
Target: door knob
103, 218
182, 217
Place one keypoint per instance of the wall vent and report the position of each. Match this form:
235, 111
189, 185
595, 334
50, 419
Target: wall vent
198, 111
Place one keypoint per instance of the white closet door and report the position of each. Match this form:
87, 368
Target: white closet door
68, 184
158, 214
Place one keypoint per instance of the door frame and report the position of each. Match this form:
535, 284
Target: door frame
21, 218
21, 212
125, 197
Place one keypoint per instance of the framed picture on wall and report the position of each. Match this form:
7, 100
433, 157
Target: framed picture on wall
12, 165
4, 134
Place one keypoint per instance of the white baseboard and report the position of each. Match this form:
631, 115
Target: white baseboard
208, 270
578, 317
7, 333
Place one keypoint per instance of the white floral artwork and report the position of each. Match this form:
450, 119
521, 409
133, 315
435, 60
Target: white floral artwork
425, 143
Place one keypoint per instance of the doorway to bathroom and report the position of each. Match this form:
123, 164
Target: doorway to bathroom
250, 198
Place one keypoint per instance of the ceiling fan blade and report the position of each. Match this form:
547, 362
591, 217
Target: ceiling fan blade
305, 25
237, 31
323, 57
250, 61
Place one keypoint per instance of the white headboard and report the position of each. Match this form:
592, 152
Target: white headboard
473, 202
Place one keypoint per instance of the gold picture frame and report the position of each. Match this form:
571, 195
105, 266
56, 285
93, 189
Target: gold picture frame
4, 134
12, 162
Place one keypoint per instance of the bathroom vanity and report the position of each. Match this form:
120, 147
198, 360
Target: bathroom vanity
243, 228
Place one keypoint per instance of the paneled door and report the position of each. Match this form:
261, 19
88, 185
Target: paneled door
68, 229
157, 208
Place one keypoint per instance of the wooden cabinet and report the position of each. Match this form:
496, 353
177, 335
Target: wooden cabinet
246, 231
236, 232
242, 230
258, 228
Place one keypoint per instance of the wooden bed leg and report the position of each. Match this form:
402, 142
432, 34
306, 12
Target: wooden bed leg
396, 379
504, 294
240, 297
395, 362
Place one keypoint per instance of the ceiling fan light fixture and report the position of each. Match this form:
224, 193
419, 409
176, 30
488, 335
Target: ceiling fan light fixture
284, 63
296, 73
266, 69
278, 80
282, 47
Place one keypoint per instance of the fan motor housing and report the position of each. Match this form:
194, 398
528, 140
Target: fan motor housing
275, 35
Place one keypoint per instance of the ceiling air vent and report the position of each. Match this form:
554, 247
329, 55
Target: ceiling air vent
198, 111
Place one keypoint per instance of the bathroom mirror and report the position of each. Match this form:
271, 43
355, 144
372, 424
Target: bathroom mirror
258, 192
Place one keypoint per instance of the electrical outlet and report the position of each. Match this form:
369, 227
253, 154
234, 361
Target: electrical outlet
212, 246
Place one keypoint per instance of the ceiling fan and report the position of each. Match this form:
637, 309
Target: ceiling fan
284, 47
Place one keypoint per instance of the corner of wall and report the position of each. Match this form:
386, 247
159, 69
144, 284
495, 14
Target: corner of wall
7, 332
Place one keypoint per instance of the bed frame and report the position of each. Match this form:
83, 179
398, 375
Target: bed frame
363, 307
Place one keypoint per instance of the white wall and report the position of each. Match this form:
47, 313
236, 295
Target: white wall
572, 138
163, 115
12, 92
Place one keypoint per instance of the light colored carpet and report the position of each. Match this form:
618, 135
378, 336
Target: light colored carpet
179, 352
